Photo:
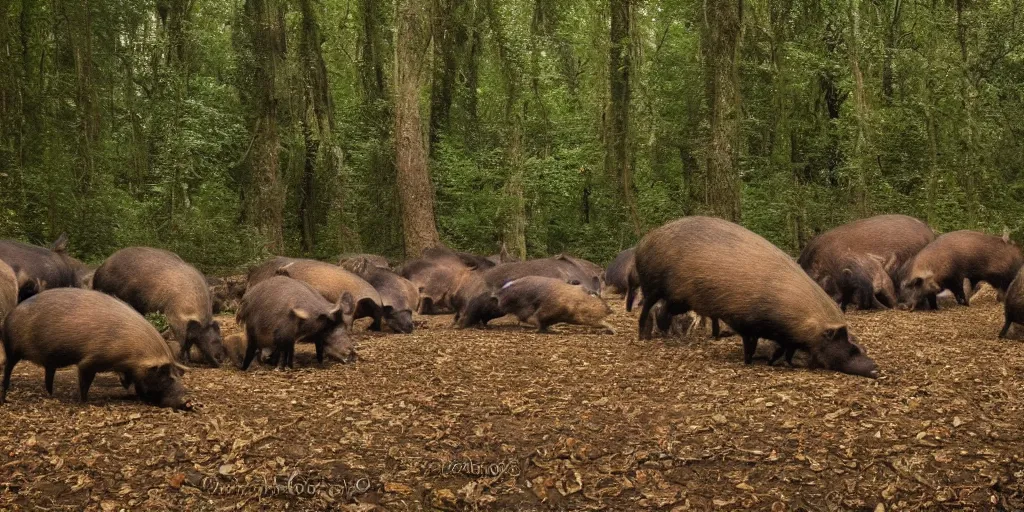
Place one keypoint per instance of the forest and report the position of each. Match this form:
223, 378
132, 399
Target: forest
229, 130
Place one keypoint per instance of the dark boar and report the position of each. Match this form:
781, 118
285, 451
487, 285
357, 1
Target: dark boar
895, 239
722, 270
98, 333
1013, 308
226, 293
862, 280
473, 300
398, 295
953, 257
544, 301
333, 281
436, 280
155, 280
40, 268
616, 276
280, 311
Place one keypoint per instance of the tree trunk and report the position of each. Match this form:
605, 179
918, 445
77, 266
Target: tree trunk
321, 167
618, 159
449, 39
721, 40
861, 157
415, 191
262, 20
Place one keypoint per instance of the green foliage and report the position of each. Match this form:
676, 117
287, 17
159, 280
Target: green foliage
142, 142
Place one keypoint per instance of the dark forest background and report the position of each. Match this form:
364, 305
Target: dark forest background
228, 130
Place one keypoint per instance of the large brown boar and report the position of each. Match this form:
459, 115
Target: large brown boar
544, 301
953, 257
278, 312
40, 268
98, 333
158, 281
616, 276
722, 270
333, 281
895, 239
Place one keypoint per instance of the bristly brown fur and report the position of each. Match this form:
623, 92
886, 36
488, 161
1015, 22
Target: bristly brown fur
959, 255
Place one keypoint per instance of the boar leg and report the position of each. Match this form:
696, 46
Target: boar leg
126, 380
185, 353
50, 371
12, 360
958, 291
1006, 327
779, 352
933, 302
250, 348
85, 377
319, 351
646, 326
749, 347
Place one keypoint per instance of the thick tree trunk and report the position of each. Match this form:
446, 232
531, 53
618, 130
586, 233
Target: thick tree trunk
721, 41
415, 191
264, 200
618, 159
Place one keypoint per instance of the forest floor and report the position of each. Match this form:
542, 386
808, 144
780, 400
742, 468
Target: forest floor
507, 419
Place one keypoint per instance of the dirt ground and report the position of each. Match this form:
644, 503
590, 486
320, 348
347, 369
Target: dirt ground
507, 419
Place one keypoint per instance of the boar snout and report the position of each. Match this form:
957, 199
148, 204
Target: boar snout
399, 321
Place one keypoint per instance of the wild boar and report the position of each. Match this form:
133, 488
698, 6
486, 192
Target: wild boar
226, 293
616, 276
722, 270
894, 239
333, 281
330, 280
98, 333
40, 268
436, 280
1013, 306
398, 295
440, 253
544, 301
952, 258
8, 290
278, 312
862, 280
472, 299
154, 280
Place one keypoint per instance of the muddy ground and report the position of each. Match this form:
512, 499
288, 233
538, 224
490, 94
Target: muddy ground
506, 419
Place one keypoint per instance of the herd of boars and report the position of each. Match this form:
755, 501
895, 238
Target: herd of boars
56, 311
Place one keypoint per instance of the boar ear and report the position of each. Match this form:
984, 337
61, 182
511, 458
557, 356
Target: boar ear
837, 333
283, 270
890, 264
917, 281
60, 244
847, 272
299, 313
574, 282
